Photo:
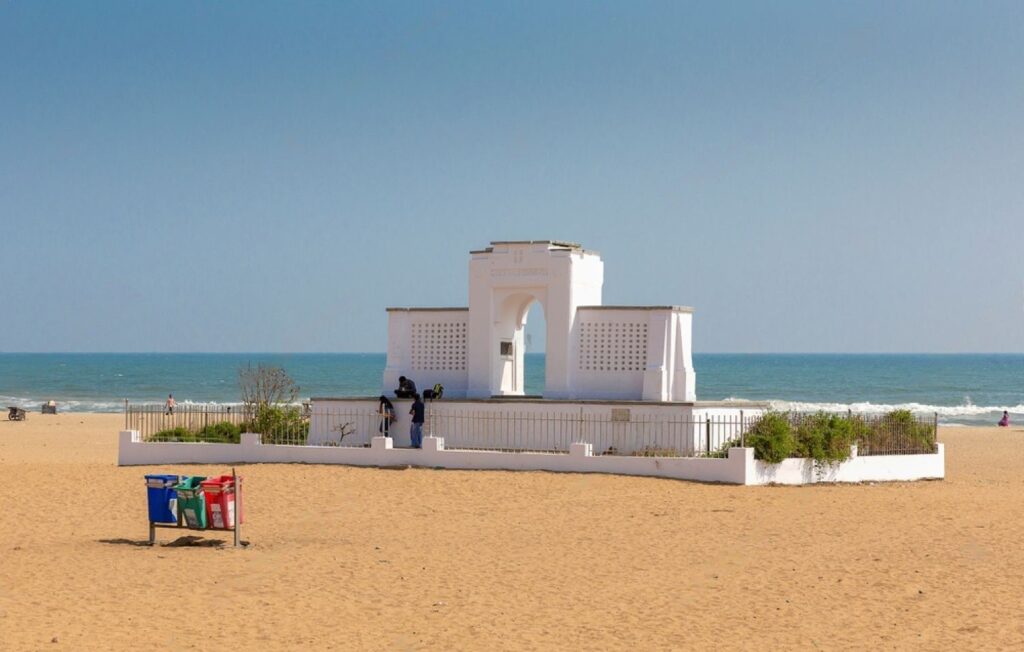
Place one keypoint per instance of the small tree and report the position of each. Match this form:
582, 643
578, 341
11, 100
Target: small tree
268, 393
264, 386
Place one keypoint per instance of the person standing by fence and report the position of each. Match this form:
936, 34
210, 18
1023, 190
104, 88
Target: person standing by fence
386, 410
416, 429
169, 405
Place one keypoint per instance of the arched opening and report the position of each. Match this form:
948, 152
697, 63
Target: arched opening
534, 347
509, 346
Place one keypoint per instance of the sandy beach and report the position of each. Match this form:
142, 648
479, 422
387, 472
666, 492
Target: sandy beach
350, 558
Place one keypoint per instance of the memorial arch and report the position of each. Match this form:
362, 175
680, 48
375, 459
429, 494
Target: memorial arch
592, 351
504, 280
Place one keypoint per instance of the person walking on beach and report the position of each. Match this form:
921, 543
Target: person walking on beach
386, 410
170, 404
1005, 421
416, 429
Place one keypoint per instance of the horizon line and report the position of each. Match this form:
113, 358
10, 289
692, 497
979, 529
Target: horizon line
525, 353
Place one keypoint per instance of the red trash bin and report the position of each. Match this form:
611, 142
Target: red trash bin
221, 495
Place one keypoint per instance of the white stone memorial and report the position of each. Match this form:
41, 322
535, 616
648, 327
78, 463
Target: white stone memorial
594, 352
619, 391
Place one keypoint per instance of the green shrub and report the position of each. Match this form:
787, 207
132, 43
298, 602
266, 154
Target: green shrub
899, 430
225, 432
279, 424
174, 434
771, 437
826, 438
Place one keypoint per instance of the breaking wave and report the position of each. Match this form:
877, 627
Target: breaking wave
86, 405
967, 410
968, 413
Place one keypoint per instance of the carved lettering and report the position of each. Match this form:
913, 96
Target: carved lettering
515, 273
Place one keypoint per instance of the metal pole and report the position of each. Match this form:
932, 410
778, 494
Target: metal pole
126, 414
743, 431
707, 435
238, 505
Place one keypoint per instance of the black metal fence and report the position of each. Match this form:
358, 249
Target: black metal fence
897, 433
217, 423
638, 435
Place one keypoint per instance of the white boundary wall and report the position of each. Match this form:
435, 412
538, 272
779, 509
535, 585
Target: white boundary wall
868, 468
739, 467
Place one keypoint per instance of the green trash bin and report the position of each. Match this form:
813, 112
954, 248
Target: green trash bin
192, 501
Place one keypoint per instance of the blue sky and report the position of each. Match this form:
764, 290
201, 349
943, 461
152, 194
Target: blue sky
196, 176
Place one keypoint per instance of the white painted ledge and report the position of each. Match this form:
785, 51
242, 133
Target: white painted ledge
859, 468
739, 467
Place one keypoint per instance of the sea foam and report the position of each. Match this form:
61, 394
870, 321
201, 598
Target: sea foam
947, 414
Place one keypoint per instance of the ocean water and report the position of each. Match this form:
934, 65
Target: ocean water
960, 388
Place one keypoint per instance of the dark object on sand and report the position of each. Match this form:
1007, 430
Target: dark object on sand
15, 413
50, 407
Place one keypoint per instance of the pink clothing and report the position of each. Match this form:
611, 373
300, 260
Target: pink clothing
1005, 421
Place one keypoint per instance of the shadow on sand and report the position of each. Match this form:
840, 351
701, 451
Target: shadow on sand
188, 541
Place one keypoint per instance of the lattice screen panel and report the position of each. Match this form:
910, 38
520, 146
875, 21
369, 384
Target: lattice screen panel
439, 346
613, 346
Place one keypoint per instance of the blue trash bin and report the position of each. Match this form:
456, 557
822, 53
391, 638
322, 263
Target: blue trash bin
163, 499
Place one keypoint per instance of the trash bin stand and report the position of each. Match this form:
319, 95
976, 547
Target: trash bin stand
180, 525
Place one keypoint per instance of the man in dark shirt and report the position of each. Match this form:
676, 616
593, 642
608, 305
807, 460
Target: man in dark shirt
416, 429
406, 388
